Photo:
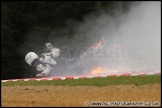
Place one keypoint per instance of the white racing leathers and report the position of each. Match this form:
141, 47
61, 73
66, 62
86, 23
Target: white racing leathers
46, 61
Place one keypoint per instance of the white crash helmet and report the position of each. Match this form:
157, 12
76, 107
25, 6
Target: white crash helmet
49, 45
30, 57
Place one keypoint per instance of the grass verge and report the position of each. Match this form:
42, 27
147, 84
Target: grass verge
137, 80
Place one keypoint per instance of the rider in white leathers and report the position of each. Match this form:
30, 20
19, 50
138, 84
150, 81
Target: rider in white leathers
45, 61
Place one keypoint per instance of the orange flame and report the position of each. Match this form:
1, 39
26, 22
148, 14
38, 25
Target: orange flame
96, 46
97, 70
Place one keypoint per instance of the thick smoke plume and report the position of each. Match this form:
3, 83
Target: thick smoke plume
129, 41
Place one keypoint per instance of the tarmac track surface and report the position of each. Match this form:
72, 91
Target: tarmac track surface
78, 95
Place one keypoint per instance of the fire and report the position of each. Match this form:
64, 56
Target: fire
97, 45
100, 70
97, 70
94, 47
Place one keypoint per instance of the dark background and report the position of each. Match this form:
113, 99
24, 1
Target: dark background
20, 18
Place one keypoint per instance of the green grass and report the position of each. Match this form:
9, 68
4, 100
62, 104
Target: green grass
137, 80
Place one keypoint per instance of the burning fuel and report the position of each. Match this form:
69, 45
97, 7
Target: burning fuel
98, 70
